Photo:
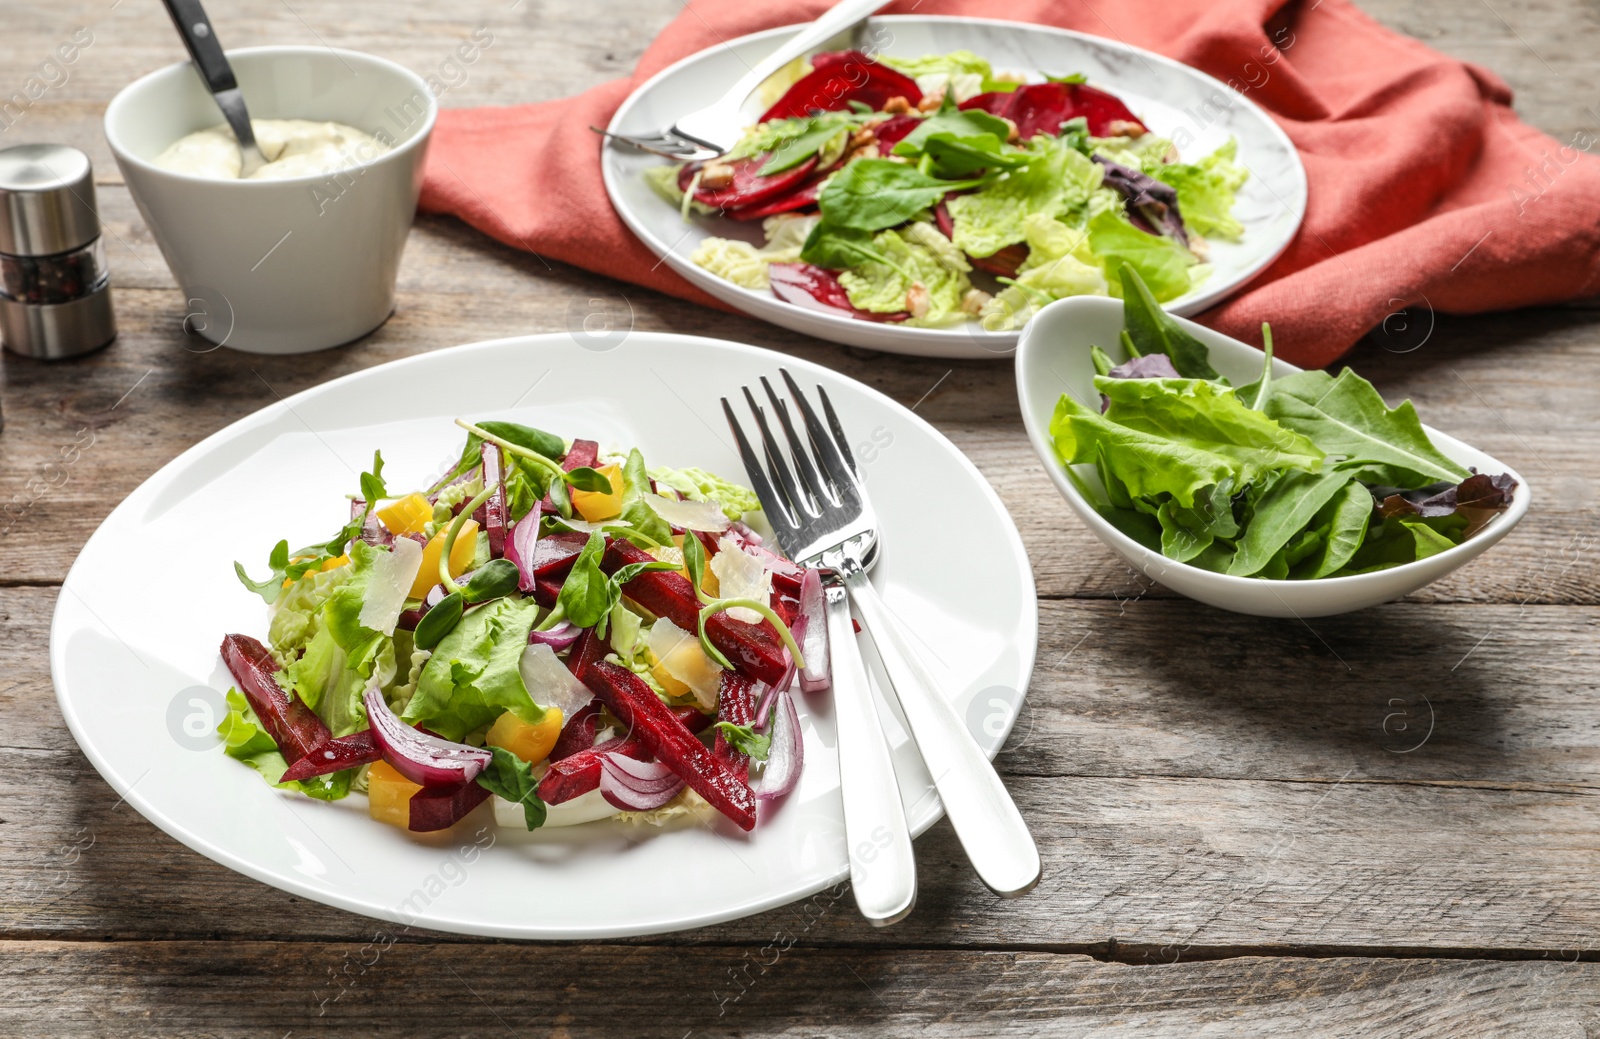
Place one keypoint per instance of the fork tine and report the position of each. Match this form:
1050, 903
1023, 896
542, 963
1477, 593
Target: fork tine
802, 503
664, 145
829, 457
802, 457
838, 431
783, 524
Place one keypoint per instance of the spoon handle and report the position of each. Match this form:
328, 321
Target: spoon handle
195, 27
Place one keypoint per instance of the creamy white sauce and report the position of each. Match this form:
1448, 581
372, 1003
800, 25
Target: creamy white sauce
292, 147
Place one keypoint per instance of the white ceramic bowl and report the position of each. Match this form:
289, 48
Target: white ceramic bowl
281, 266
1053, 358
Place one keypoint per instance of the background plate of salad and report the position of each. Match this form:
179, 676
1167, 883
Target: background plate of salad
139, 678
958, 175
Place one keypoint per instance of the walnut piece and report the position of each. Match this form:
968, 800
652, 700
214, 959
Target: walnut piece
917, 300
715, 176
897, 106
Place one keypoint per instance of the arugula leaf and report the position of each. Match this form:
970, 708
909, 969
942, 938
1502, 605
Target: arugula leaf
1346, 518
838, 248
797, 149
1075, 135
746, 740
961, 143
585, 595
547, 444
494, 579
872, 194
694, 561
1284, 509
439, 621
1154, 331
635, 509
587, 478
1346, 416
510, 777
951, 120
474, 675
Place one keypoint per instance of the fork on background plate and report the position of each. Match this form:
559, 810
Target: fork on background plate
819, 510
716, 128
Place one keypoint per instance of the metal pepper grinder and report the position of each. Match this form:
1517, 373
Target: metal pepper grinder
55, 290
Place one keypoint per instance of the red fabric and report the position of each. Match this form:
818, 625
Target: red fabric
1424, 187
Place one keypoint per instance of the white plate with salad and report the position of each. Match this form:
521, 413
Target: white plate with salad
540, 682
931, 191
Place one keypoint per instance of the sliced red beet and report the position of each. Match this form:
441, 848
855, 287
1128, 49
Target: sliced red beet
749, 187
755, 649
491, 515
577, 733
803, 195
579, 772
636, 705
736, 703
1042, 107
893, 130
589, 648
441, 809
817, 288
582, 454
293, 726
337, 755
840, 77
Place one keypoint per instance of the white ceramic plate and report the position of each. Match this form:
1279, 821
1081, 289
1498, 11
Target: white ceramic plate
1174, 100
1053, 359
134, 646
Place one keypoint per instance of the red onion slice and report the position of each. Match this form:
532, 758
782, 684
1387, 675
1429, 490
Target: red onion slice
560, 637
520, 547
817, 674
786, 757
421, 758
637, 786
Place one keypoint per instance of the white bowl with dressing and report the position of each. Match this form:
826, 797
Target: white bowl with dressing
1053, 358
292, 264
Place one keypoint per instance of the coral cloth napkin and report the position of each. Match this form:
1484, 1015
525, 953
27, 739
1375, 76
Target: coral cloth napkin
1425, 189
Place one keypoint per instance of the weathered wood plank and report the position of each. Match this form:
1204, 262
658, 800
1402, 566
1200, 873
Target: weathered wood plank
253, 989
1197, 780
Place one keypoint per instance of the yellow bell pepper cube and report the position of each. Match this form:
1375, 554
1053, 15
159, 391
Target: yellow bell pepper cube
329, 564
595, 506
389, 795
708, 579
409, 515
673, 687
532, 743
462, 553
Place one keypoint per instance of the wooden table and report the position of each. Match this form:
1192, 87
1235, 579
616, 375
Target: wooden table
1378, 824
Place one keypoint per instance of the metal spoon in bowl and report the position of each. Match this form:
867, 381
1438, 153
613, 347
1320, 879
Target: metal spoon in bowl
195, 28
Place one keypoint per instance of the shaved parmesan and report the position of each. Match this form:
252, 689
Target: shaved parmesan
389, 584
680, 653
549, 682
741, 575
689, 515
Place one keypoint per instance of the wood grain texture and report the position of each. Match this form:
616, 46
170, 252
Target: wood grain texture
1271, 827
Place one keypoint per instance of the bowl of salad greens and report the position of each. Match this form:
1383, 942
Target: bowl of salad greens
1240, 480
931, 191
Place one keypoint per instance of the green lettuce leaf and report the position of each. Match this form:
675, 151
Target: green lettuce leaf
343, 657
873, 194
510, 777
1346, 518
1284, 510
1059, 264
919, 253
991, 218
473, 675
699, 485
1176, 436
1347, 417
245, 739
1153, 331
1206, 190
1163, 264
635, 485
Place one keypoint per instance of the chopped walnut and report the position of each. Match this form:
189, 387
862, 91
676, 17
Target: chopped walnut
869, 152
917, 300
1171, 155
931, 101
1123, 128
1012, 133
1200, 247
972, 303
715, 176
862, 137
897, 106
1010, 77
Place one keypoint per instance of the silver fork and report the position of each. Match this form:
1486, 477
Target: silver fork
715, 129
819, 510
